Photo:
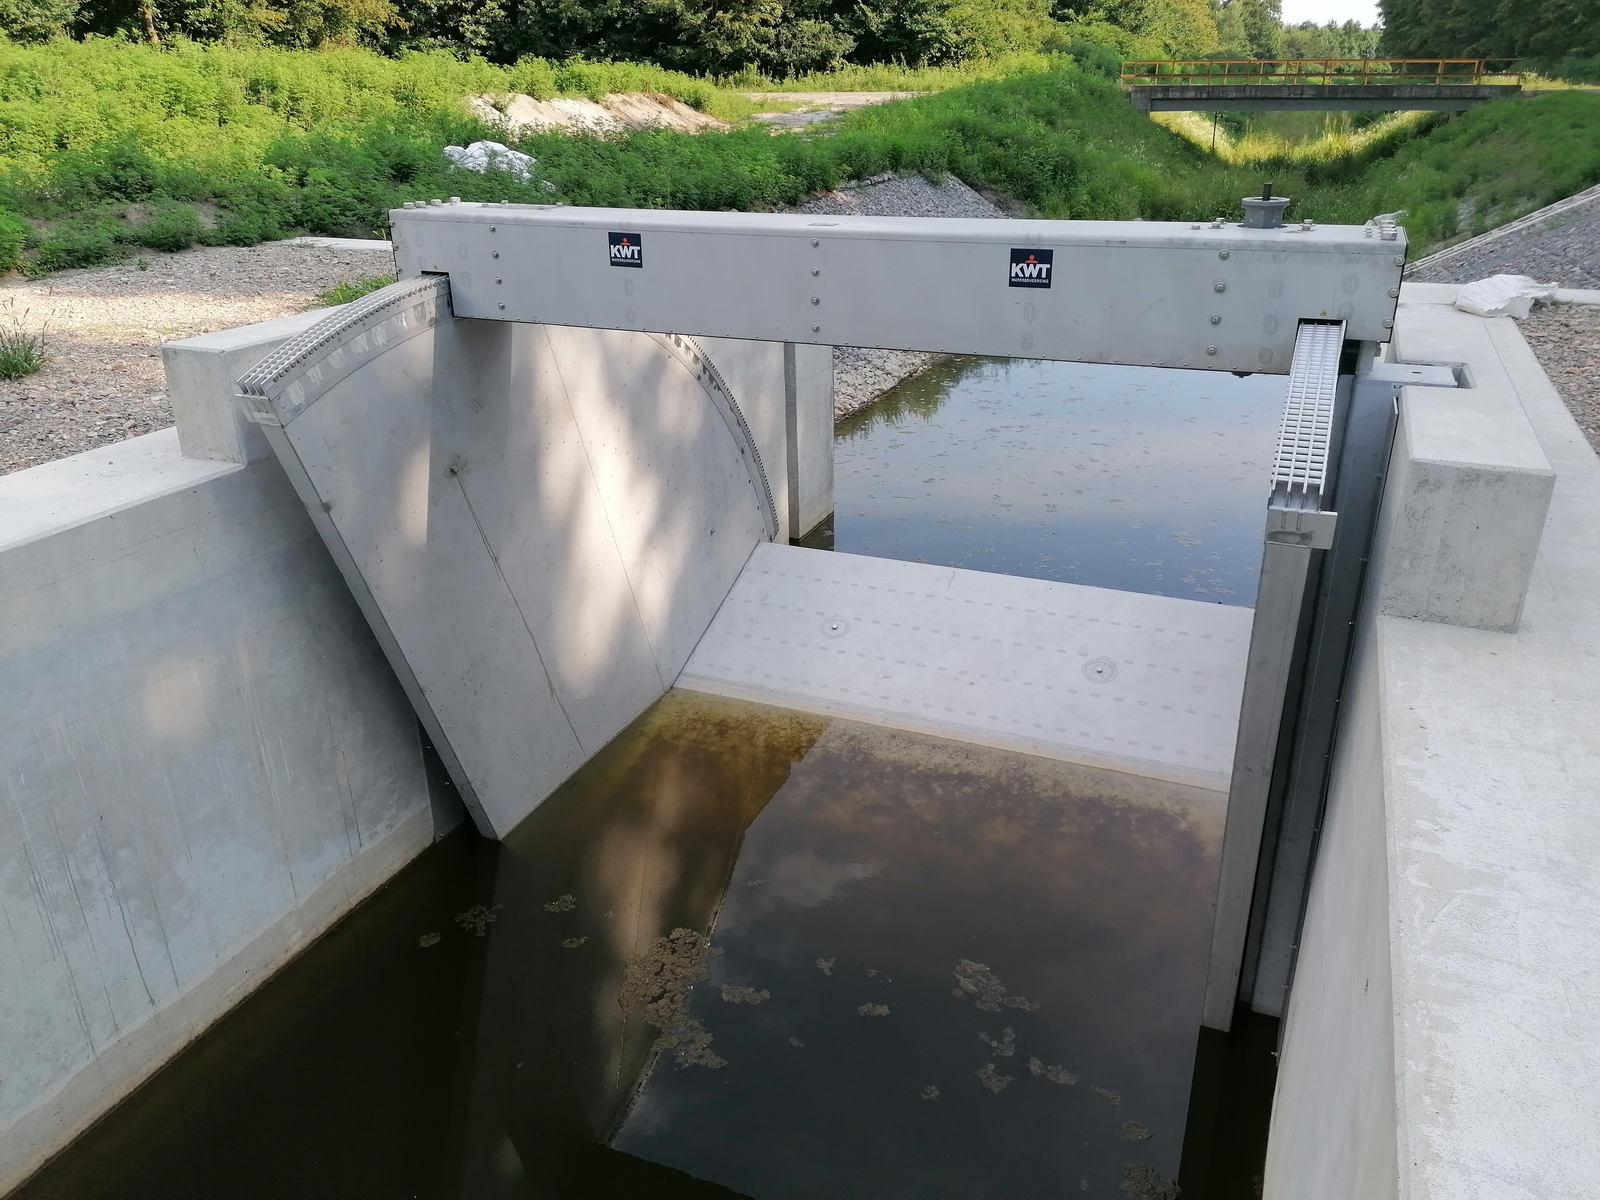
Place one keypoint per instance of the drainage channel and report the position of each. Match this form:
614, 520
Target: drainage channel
758, 952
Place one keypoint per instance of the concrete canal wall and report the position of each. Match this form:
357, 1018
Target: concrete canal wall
1440, 1039
206, 759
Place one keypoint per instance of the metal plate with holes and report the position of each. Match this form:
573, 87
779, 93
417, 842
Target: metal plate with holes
1138, 683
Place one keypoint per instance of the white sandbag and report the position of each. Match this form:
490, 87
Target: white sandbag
1503, 296
492, 156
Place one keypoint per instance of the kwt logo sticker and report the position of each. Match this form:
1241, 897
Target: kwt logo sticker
627, 250
1031, 268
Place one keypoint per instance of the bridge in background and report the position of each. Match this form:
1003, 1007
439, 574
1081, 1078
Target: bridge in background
1318, 84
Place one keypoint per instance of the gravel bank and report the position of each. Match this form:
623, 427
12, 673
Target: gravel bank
104, 329
860, 376
1566, 337
1563, 246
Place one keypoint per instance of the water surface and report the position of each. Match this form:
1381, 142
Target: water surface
1133, 478
744, 951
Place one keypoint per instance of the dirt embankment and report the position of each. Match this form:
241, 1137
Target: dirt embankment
619, 112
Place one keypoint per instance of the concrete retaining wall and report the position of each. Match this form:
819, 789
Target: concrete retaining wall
206, 763
1440, 1040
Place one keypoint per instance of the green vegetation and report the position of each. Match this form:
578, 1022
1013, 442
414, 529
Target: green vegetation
106, 147
345, 290
21, 352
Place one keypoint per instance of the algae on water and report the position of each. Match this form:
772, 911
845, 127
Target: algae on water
978, 983
658, 982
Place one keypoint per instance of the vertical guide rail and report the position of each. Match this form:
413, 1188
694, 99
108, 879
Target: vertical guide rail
1296, 526
1295, 807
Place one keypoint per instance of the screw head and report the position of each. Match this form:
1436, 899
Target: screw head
816, 270
815, 242
816, 299
1222, 254
1399, 260
491, 229
1219, 287
1216, 320
1209, 349
1388, 324
497, 279
502, 306
496, 254
816, 329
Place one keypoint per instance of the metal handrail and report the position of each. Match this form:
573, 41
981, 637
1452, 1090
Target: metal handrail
1304, 70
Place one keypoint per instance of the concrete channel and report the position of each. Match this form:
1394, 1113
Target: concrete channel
439, 563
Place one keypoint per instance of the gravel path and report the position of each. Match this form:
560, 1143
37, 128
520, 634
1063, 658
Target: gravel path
860, 376
104, 329
1566, 337
1560, 244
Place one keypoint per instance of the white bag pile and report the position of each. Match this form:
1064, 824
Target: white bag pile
492, 156
1504, 296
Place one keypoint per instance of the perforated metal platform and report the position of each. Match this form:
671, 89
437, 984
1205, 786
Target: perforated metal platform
1148, 684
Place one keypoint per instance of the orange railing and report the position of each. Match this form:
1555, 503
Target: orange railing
1305, 70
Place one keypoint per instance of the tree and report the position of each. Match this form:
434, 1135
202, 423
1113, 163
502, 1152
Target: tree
1495, 29
1148, 28
1349, 40
36, 20
302, 23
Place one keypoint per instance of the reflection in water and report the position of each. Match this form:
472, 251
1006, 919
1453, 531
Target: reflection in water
1123, 477
743, 952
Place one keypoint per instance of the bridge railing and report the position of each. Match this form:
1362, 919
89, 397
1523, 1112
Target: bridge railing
1304, 70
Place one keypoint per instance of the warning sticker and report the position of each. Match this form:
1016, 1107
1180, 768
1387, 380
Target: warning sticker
1032, 268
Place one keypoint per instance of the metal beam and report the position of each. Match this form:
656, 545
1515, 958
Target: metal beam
1212, 296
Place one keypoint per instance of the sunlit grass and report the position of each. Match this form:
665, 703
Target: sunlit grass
347, 290
1335, 139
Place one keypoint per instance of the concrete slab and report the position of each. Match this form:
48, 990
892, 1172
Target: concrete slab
1446, 293
1147, 684
97, 484
338, 243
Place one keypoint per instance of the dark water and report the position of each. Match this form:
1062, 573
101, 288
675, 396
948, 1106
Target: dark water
1122, 477
745, 952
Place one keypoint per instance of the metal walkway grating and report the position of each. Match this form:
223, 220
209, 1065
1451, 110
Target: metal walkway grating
1300, 468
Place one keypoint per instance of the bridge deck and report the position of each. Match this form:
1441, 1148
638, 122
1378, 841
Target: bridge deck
1316, 97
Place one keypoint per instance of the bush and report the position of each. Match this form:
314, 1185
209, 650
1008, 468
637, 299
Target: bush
1091, 56
13, 237
171, 227
74, 244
